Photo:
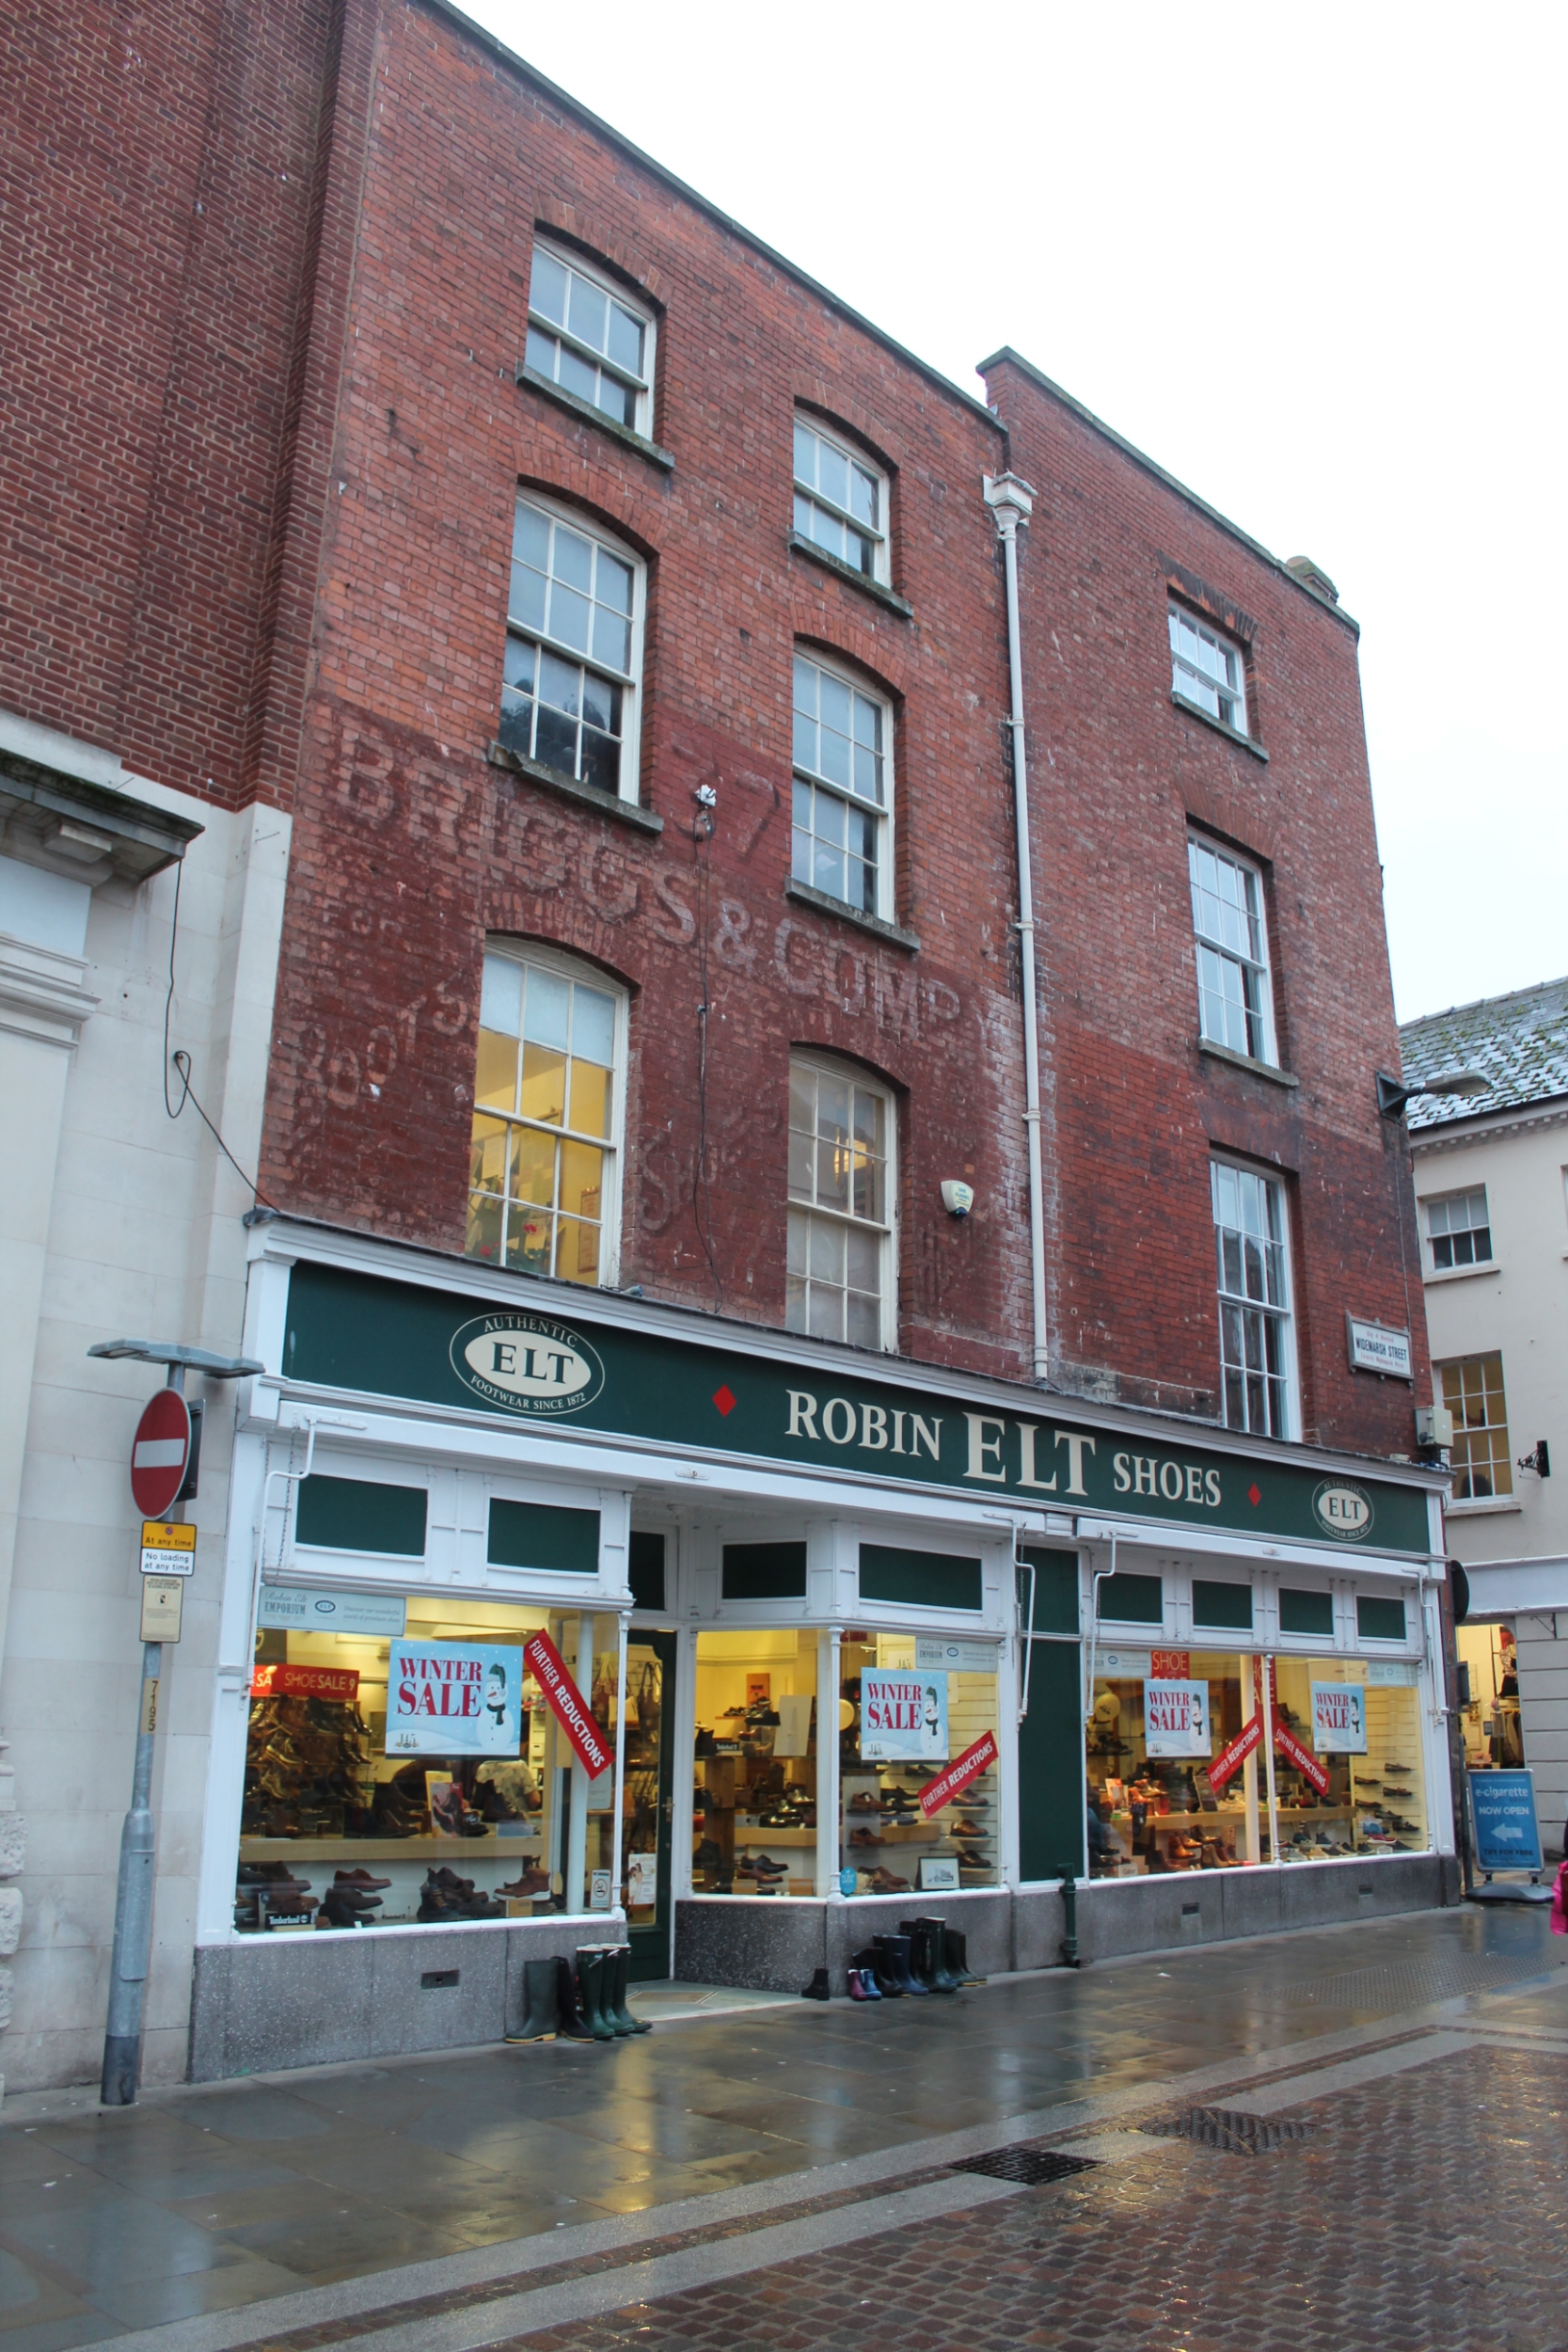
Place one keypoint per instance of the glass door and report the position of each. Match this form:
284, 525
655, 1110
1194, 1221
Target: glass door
648, 1818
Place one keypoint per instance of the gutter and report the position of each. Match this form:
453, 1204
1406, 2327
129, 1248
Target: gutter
1011, 503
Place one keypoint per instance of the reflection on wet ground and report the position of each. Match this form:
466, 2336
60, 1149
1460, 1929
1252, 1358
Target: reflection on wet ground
204, 2200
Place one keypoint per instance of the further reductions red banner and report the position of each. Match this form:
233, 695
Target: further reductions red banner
306, 1682
1289, 1747
1231, 1758
571, 1710
958, 1775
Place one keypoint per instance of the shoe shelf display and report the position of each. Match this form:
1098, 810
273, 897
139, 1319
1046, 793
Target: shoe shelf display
884, 1834
1163, 1814
754, 1799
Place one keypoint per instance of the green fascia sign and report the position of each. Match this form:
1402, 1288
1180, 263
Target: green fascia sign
356, 1331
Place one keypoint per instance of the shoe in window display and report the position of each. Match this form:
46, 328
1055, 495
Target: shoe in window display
529, 1881
966, 1828
885, 1881
974, 1860
860, 1838
360, 1878
864, 1801
347, 1907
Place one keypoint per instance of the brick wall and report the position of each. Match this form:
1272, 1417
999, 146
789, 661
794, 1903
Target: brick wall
410, 846
1119, 776
158, 177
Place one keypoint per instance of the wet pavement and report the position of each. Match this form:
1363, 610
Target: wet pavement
439, 2187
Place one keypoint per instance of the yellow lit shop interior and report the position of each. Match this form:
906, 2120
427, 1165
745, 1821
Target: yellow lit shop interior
754, 1821
1151, 1814
1490, 1716
336, 1833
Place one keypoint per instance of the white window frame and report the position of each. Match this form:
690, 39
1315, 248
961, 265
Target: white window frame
1227, 952
561, 967
881, 812
1498, 1467
640, 384
1282, 1317
1447, 1202
877, 534
825, 1065
630, 680
1191, 679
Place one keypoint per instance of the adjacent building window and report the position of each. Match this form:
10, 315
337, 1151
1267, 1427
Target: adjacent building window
1233, 992
573, 650
843, 788
1473, 1392
1257, 1346
839, 1282
588, 337
840, 502
548, 1106
1459, 1231
1206, 669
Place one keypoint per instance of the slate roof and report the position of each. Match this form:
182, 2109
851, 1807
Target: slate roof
1520, 1042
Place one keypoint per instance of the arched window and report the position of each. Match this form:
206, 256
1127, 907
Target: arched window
548, 1105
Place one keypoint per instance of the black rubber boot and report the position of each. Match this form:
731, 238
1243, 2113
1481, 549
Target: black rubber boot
876, 1960
920, 1957
938, 1974
956, 1956
617, 1961
900, 1955
541, 2002
590, 1960
573, 2025
817, 1989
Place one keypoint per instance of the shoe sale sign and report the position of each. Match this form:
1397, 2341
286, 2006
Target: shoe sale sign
453, 1698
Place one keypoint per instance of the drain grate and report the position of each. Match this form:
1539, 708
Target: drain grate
1239, 2135
1032, 2166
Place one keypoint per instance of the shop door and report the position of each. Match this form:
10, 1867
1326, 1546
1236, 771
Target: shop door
1050, 1801
649, 1800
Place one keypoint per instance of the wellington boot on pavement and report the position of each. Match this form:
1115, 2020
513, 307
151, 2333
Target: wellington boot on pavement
541, 2002
617, 1972
590, 1960
573, 2025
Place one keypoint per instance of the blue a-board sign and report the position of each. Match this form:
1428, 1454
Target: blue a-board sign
1503, 1804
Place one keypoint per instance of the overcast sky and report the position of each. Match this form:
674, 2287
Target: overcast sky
1310, 259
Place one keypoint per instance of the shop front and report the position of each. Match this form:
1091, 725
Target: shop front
551, 1619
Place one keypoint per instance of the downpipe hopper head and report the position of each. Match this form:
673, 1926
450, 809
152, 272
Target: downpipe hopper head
1011, 500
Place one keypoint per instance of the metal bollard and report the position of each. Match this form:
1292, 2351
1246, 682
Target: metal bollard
1068, 1946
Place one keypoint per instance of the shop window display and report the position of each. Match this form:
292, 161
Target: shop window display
1180, 1776
393, 1776
1489, 1718
910, 1709
753, 1828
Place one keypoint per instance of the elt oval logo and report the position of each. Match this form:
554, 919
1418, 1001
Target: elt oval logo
524, 1364
1342, 1510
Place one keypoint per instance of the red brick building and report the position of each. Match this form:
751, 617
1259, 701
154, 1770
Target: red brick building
618, 627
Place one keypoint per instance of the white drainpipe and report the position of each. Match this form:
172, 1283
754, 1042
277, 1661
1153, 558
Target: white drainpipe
1011, 501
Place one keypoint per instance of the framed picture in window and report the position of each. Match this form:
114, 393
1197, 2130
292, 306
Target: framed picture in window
939, 1873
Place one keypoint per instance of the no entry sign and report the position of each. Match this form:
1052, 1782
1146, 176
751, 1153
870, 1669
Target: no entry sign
159, 1453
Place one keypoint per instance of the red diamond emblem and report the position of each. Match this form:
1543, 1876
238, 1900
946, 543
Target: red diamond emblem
1253, 1496
725, 1400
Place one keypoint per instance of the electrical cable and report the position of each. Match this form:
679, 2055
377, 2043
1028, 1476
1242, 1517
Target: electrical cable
181, 1061
702, 1195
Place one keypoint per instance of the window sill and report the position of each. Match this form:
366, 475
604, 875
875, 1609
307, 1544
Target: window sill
535, 382
804, 894
1231, 735
841, 570
580, 795
1245, 1061
1461, 1273
1479, 1510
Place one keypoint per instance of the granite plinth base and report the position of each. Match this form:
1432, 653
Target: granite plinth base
267, 2002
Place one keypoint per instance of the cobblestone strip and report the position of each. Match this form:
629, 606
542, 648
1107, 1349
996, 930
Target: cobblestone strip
1425, 2209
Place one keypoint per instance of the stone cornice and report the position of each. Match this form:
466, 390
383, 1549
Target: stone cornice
42, 994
